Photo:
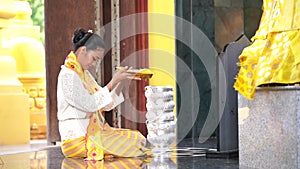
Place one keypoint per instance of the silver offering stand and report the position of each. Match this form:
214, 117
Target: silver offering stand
160, 119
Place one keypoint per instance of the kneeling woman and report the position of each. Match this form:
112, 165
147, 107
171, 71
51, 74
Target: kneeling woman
81, 102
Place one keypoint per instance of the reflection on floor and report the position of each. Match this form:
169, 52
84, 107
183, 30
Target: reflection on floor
40, 156
35, 145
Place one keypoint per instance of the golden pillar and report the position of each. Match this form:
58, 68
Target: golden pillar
14, 107
27, 49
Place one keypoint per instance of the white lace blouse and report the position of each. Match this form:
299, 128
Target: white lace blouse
75, 104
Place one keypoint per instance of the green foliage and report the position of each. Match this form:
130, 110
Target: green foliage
37, 16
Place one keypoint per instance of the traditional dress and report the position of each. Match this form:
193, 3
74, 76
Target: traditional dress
84, 132
274, 56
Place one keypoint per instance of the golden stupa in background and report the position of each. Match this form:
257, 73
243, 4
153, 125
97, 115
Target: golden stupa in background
22, 41
14, 109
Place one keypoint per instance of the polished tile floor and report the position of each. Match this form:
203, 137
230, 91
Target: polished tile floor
38, 155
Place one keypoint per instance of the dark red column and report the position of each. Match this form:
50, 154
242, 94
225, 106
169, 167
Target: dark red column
134, 52
61, 19
143, 61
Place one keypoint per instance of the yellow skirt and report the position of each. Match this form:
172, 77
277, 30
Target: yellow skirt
101, 140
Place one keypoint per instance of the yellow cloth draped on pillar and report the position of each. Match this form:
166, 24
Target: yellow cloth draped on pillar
274, 55
101, 139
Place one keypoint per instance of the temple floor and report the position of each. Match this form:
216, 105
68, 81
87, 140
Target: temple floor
39, 155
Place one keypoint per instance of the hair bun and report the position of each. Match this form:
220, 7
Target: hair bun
86, 38
78, 35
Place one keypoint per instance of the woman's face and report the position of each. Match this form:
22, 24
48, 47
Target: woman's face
89, 58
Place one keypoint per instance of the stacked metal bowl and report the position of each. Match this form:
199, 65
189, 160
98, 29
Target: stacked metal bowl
160, 117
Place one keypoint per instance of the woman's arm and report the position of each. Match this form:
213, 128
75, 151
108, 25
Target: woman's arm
121, 76
117, 97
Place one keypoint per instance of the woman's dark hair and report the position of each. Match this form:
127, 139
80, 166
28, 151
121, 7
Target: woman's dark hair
88, 39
